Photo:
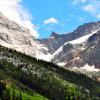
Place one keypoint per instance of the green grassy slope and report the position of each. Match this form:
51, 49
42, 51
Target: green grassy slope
15, 88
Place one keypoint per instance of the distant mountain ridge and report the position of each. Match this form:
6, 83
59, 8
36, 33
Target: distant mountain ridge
77, 49
72, 49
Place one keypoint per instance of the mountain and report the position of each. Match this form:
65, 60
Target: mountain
75, 49
25, 78
60, 40
19, 38
78, 49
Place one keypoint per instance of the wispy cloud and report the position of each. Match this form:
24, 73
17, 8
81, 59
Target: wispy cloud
14, 10
93, 8
89, 6
51, 21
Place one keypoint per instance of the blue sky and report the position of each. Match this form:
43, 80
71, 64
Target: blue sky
44, 16
68, 14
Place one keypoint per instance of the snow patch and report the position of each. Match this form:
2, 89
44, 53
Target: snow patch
51, 37
75, 59
83, 48
61, 64
58, 51
90, 68
43, 56
81, 39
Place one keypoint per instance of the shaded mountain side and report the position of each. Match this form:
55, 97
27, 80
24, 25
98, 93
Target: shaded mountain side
46, 78
90, 54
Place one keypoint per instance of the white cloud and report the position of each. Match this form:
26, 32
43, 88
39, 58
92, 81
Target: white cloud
14, 10
51, 21
93, 8
90, 6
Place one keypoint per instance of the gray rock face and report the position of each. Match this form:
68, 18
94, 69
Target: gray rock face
90, 55
19, 38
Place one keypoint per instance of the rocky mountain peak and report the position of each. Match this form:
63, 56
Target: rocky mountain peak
54, 35
87, 28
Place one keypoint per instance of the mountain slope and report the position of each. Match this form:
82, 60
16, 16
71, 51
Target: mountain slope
19, 38
90, 53
46, 78
72, 50
11, 89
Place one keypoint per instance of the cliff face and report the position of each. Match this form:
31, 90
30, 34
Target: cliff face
19, 38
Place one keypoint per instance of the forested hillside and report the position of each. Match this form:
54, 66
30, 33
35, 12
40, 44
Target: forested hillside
25, 78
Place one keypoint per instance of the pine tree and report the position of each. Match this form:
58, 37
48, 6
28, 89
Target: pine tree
20, 96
